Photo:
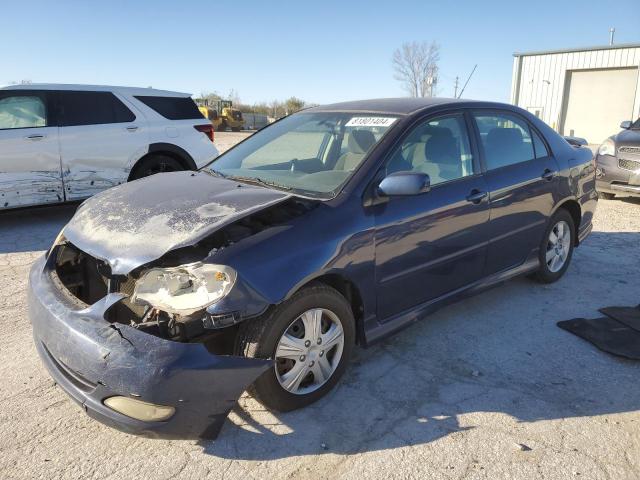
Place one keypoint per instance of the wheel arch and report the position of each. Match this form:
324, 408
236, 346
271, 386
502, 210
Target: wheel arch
573, 207
349, 290
170, 150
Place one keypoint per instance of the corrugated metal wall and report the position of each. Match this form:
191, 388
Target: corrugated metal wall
539, 79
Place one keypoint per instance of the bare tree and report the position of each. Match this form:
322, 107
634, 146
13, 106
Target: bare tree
416, 66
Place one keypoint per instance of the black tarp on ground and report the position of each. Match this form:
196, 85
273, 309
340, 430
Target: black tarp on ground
618, 333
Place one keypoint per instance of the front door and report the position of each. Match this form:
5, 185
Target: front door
431, 244
522, 178
29, 150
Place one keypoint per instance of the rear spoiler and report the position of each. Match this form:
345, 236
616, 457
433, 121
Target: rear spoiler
576, 141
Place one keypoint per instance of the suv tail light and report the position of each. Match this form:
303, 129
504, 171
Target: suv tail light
206, 129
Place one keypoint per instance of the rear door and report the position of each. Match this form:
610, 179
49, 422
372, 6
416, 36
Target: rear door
29, 151
431, 244
100, 138
522, 179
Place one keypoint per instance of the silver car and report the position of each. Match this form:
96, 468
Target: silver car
618, 163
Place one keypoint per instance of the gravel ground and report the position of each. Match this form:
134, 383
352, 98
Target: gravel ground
487, 388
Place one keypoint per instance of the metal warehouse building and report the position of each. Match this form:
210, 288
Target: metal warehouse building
584, 92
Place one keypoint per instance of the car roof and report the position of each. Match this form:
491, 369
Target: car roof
398, 106
97, 88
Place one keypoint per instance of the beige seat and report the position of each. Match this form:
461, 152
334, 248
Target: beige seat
358, 144
434, 154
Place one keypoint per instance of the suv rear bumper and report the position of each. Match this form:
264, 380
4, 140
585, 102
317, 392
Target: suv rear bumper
93, 360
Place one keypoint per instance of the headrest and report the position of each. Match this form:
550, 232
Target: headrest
360, 141
431, 130
441, 147
506, 137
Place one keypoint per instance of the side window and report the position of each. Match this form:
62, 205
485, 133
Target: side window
93, 108
506, 139
22, 111
173, 108
538, 145
438, 147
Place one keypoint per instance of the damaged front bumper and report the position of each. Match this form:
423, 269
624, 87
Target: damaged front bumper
92, 360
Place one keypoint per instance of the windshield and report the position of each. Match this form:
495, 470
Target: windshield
636, 125
309, 153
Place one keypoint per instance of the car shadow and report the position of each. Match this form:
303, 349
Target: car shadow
632, 200
33, 229
494, 359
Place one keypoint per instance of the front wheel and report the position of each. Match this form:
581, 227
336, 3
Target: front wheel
310, 337
556, 248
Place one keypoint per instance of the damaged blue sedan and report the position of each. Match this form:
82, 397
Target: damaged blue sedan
164, 299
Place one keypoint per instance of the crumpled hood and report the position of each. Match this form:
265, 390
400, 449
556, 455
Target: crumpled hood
135, 223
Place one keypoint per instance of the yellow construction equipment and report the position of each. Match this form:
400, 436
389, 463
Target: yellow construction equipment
222, 115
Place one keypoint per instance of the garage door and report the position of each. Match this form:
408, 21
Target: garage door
596, 101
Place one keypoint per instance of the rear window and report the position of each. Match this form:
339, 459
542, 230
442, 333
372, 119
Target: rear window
173, 108
93, 108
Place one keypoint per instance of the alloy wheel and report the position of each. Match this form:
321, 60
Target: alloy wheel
558, 246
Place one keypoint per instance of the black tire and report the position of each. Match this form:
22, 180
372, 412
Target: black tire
235, 129
545, 274
222, 127
155, 164
606, 195
258, 338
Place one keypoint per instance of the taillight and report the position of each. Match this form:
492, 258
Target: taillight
206, 129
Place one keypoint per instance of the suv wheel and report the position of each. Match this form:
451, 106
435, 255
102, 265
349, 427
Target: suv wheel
556, 248
310, 337
155, 164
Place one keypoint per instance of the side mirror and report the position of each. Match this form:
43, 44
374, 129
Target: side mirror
404, 184
576, 141
626, 124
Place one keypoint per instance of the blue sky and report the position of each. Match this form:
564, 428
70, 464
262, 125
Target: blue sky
321, 51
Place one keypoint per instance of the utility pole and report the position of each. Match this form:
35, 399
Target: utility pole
612, 32
455, 88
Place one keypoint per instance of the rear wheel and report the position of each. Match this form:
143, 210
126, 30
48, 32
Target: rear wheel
310, 337
556, 248
235, 129
606, 195
155, 164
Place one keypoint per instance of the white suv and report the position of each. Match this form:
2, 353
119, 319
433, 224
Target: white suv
67, 142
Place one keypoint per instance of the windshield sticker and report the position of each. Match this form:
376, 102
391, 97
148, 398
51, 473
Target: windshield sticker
370, 122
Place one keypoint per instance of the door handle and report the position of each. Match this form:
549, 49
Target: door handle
548, 174
476, 196
132, 128
35, 137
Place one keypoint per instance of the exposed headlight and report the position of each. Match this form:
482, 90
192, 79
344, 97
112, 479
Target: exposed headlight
184, 289
608, 147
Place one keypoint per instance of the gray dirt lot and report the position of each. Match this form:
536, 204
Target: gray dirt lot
450, 397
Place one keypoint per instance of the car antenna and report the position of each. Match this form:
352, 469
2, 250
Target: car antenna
465, 83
